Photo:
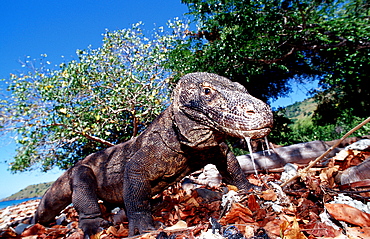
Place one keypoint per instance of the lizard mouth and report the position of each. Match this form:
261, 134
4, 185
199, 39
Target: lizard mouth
253, 134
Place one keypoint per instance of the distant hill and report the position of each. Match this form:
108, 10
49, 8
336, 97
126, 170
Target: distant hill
36, 190
301, 110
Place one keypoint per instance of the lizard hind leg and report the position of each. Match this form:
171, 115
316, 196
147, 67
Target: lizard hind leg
85, 200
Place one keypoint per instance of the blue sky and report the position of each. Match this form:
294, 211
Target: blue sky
59, 28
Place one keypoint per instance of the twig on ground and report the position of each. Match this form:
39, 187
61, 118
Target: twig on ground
318, 159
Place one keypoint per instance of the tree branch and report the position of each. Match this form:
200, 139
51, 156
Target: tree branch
271, 61
94, 138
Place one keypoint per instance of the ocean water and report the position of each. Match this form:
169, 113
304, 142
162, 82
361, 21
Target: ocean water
5, 204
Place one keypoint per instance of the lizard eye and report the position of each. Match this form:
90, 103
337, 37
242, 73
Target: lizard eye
207, 91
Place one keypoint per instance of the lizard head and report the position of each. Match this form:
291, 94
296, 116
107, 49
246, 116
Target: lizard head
223, 105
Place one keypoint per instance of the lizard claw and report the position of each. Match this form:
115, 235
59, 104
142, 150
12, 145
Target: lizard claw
92, 226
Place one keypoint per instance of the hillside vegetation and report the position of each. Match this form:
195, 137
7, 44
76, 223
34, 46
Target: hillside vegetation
36, 190
300, 110
296, 124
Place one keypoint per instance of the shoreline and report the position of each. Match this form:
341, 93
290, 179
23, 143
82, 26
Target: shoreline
11, 203
16, 199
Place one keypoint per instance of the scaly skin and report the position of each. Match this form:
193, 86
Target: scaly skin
189, 134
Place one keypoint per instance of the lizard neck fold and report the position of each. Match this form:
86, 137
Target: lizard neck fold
194, 134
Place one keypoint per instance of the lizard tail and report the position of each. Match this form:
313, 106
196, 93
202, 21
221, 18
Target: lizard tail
55, 199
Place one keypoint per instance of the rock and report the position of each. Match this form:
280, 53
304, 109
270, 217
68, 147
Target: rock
361, 145
290, 170
208, 194
188, 185
61, 219
119, 216
20, 228
209, 177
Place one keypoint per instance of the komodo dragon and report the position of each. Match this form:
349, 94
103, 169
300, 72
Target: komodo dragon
185, 137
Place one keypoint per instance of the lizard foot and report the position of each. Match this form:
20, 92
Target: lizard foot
92, 226
140, 223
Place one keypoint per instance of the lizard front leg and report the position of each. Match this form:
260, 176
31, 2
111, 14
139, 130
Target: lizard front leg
85, 200
136, 196
233, 173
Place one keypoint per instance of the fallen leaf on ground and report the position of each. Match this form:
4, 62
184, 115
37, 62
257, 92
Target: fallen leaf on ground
269, 195
252, 203
36, 229
342, 155
320, 229
120, 232
76, 235
273, 226
327, 175
147, 236
294, 232
358, 232
232, 188
237, 212
346, 213
179, 225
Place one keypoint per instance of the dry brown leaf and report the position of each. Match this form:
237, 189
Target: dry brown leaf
120, 232
274, 226
260, 214
57, 230
36, 229
342, 155
232, 188
320, 229
312, 182
249, 231
30, 237
353, 158
358, 232
73, 225
8, 233
269, 195
240, 208
193, 202
346, 213
283, 227
294, 232
76, 235
186, 212
306, 207
147, 236
97, 235
326, 175
179, 225
236, 213
255, 181
252, 203
287, 218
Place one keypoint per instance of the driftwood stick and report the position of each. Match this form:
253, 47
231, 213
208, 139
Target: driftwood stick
312, 163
